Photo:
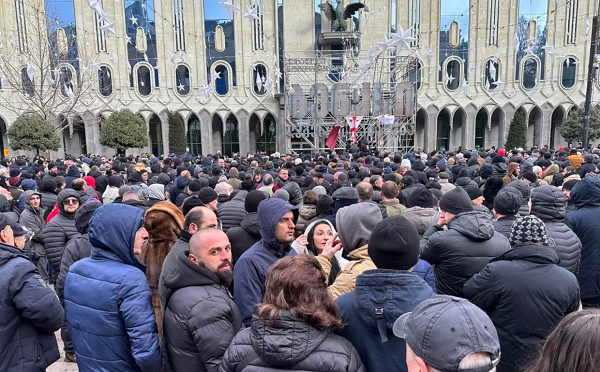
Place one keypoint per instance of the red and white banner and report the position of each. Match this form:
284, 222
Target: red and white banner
354, 122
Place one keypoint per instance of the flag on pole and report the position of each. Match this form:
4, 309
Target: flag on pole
332, 138
354, 122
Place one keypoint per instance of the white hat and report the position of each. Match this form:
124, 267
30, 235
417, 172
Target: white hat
405, 163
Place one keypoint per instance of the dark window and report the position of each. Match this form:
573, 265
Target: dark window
443, 132
144, 81
260, 72
65, 78
194, 136
183, 80
491, 74
267, 140
453, 71
26, 83
479, 131
105, 81
222, 82
530, 73
231, 138
568, 73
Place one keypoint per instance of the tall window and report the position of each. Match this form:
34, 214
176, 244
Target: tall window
222, 80
531, 32
219, 32
414, 19
530, 68
62, 33
267, 139
493, 20
65, 78
453, 73
571, 35
182, 80
105, 81
257, 26
454, 33
259, 78
415, 76
569, 69
393, 16
231, 137
141, 33
443, 131
144, 81
178, 24
480, 122
21, 25
100, 34
194, 135
156, 138
491, 74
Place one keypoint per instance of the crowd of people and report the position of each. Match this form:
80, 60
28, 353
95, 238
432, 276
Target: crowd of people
360, 261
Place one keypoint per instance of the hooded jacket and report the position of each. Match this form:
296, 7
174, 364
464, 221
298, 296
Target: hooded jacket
585, 195
251, 269
233, 178
422, 218
59, 231
232, 212
244, 236
73, 173
550, 205
138, 185
101, 181
156, 194
30, 314
33, 219
26, 185
287, 344
108, 301
550, 172
77, 248
200, 318
306, 213
461, 251
526, 295
397, 293
295, 193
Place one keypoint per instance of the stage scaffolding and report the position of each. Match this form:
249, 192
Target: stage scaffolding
324, 88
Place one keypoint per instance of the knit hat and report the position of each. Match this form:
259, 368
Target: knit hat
282, 194
124, 190
456, 201
569, 184
485, 171
320, 190
394, 244
253, 199
190, 203
49, 185
14, 172
443, 175
195, 186
523, 187
528, 230
529, 176
508, 201
207, 195
420, 197
223, 188
474, 192
498, 159
345, 193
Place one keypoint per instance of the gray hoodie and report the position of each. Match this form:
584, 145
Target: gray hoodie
355, 223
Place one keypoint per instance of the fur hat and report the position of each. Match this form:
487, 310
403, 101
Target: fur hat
168, 208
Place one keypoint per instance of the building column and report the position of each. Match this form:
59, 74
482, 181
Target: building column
206, 132
546, 126
469, 130
431, 130
244, 131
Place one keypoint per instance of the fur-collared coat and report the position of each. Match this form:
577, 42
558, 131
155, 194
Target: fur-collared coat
163, 222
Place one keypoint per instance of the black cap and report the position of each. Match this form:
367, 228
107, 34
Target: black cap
420, 197
253, 199
456, 201
443, 330
7, 218
207, 195
17, 229
394, 244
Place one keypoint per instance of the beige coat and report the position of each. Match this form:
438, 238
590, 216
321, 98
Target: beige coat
346, 279
393, 207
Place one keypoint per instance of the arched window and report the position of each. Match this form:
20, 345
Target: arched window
105, 81
182, 76
443, 131
221, 80
156, 139
259, 80
144, 81
267, 139
26, 83
491, 74
530, 68
64, 78
568, 72
194, 135
415, 76
231, 137
452, 79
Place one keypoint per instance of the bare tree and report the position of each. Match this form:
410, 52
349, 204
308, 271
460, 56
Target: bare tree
64, 72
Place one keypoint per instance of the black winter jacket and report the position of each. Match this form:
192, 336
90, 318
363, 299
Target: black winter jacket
585, 195
244, 236
287, 344
526, 295
59, 231
461, 251
586, 168
48, 199
101, 181
504, 225
30, 313
232, 213
549, 205
170, 264
200, 318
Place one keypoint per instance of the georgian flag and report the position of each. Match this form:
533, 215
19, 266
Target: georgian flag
354, 122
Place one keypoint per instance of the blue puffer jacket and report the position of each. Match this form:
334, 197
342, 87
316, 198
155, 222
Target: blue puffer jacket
108, 300
584, 223
251, 269
396, 293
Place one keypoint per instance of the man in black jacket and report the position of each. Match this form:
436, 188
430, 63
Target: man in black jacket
200, 317
506, 209
525, 293
31, 313
244, 236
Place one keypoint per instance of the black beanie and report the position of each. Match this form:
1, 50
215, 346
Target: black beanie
508, 201
207, 195
420, 197
195, 186
456, 201
529, 176
49, 185
190, 203
569, 184
394, 244
473, 191
253, 199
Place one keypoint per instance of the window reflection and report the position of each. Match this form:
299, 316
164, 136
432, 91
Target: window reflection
260, 74
26, 83
531, 32
530, 73
231, 136
194, 135
568, 72
61, 22
491, 74
105, 81
221, 80
182, 77
453, 71
140, 13
267, 140
214, 16
144, 80
454, 33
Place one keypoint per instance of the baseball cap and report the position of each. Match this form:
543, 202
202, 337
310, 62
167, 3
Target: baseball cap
444, 329
17, 229
7, 218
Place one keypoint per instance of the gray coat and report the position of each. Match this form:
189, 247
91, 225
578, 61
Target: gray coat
232, 212
33, 219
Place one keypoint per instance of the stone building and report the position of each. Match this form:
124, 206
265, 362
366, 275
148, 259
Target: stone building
480, 62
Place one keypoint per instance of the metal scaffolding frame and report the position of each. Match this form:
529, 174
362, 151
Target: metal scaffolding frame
325, 87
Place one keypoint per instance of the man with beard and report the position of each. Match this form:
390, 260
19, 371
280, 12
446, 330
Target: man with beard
200, 317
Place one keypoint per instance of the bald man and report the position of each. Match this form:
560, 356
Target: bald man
200, 317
